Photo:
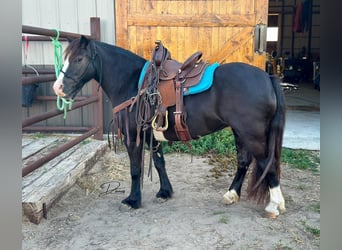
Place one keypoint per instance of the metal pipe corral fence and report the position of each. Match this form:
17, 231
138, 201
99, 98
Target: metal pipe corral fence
95, 99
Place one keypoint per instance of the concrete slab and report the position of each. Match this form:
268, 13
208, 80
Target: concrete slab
302, 130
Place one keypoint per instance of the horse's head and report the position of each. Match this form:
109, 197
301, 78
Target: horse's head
78, 69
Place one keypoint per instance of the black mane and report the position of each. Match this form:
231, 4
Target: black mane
73, 49
77, 45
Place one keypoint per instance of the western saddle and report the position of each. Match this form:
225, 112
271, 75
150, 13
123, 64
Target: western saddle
164, 84
173, 79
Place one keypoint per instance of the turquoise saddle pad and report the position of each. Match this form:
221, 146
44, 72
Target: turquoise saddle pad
204, 84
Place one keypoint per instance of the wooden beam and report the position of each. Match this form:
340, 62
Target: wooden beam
204, 20
261, 16
44, 186
121, 10
261, 12
231, 45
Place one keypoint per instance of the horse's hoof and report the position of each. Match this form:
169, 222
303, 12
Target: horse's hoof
160, 200
133, 203
125, 208
270, 215
277, 201
282, 208
230, 197
164, 194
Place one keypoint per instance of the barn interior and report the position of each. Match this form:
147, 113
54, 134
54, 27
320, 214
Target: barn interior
293, 35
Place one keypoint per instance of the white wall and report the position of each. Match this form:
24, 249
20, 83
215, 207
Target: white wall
65, 15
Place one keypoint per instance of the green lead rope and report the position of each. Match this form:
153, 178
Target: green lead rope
64, 105
58, 51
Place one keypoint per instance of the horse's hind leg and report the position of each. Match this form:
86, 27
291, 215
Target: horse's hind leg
271, 183
244, 159
276, 197
165, 190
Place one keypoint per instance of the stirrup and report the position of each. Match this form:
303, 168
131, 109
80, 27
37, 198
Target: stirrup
155, 126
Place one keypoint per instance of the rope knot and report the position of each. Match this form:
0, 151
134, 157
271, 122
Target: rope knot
66, 104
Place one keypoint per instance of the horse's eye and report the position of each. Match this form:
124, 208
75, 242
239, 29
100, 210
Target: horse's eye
78, 59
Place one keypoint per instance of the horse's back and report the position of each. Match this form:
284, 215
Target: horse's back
240, 95
244, 80
241, 73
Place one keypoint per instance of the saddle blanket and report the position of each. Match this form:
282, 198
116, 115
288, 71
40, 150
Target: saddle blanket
204, 84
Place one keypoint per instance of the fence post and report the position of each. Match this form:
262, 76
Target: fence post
95, 31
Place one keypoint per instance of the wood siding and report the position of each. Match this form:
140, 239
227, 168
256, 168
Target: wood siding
221, 29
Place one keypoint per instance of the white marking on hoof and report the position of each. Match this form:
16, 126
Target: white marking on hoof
276, 201
230, 197
281, 207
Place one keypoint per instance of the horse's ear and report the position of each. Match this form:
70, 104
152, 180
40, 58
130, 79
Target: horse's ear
84, 41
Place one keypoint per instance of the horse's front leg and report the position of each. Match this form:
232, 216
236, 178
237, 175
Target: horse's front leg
135, 157
165, 190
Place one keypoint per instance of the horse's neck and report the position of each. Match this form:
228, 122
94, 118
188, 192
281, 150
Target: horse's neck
120, 73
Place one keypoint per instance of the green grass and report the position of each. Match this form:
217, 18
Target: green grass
39, 135
301, 159
316, 207
281, 246
84, 142
223, 220
222, 143
315, 231
218, 212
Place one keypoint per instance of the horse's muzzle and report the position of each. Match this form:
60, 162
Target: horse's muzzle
58, 88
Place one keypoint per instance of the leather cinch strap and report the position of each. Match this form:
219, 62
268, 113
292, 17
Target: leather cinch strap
181, 127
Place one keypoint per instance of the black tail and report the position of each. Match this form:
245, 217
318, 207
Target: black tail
258, 186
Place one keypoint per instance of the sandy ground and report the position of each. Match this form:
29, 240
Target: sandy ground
90, 215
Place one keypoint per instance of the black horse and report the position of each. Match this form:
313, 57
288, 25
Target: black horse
242, 97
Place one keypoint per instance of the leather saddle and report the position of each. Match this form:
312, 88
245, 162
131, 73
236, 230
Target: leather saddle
174, 78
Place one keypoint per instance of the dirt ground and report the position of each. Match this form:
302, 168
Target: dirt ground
90, 215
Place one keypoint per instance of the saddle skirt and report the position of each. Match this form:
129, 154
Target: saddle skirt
204, 84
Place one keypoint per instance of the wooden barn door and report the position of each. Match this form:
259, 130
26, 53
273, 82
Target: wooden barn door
221, 29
